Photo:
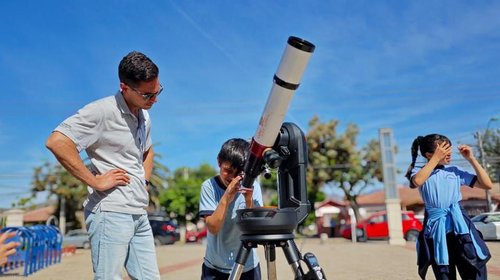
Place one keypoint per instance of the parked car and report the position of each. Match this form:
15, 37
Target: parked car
164, 230
78, 238
376, 227
197, 235
488, 224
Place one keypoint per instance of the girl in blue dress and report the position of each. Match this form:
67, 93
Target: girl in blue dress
449, 241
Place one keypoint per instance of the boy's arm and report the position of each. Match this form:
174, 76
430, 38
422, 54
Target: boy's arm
248, 194
216, 220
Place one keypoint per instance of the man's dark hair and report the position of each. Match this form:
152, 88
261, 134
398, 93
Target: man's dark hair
235, 152
135, 68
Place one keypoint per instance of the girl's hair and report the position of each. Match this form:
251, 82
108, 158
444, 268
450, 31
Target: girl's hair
427, 144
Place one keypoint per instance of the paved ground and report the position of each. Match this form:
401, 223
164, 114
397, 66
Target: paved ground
339, 258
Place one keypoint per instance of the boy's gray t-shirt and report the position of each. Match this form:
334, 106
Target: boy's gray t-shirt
223, 247
113, 138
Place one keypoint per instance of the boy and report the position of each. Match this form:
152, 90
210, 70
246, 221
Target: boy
220, 198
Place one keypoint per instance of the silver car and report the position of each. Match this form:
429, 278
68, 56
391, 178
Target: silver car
78, 238
488, 224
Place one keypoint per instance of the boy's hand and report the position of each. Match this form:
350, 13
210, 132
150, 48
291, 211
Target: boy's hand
442, 150
247, 193
466, 152
233, 187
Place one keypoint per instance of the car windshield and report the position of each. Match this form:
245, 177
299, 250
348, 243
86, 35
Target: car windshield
477, 218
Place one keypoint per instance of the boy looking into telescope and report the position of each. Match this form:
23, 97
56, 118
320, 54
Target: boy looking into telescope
220, 197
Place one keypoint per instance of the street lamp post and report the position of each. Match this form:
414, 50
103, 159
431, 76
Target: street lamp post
480, 142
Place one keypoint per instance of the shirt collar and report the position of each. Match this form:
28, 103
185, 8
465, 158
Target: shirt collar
122, 104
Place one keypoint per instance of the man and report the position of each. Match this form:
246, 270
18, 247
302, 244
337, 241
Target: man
115, 133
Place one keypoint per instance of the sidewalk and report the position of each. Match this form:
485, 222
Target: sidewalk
339, 258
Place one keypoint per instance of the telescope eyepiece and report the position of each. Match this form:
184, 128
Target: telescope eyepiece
272, 159
301, 44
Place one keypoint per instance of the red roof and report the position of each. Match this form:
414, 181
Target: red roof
410, 196
39, 215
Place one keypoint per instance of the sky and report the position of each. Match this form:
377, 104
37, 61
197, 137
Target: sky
417, 67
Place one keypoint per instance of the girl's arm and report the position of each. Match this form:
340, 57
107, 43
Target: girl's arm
483, 179
442, 150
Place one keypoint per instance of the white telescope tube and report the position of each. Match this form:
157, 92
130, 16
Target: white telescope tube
285, 82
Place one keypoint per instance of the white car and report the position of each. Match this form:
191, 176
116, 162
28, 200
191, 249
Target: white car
78, 238
488, 224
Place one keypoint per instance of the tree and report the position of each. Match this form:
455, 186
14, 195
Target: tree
336, 160
56, 181
491, 147
183, 194
158, 182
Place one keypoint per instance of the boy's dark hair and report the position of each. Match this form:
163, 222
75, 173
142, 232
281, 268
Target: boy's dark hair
136, 67
427, 144
234, 151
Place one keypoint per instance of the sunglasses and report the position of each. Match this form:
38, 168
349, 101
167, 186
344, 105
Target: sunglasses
147, 95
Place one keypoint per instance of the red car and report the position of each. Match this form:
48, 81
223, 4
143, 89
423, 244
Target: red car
196, 236
375, 227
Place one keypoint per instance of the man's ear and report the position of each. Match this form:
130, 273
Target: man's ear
122, 87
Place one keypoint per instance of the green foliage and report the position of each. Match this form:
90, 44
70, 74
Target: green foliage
56, 181
158, 182
182, 197
335, 159
491, 147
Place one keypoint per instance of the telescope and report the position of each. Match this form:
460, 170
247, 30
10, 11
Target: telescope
283, 146
285, 82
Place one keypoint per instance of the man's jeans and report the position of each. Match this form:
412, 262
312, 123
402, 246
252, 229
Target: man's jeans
121, 240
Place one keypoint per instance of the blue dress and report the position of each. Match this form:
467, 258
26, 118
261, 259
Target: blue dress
445, 219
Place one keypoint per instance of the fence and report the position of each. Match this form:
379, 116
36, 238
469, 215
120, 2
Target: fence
40, 247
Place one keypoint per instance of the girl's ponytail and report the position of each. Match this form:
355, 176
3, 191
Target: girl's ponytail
414, 155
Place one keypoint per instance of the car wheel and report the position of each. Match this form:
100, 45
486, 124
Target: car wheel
86, 245
203, 241
158, 241
361, 235
411, 235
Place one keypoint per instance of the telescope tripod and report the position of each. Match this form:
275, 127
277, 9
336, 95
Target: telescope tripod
270, 242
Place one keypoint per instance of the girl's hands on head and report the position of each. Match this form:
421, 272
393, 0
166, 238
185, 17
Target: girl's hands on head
442, 151
466, 152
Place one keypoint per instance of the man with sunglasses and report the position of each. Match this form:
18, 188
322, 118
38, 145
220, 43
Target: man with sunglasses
115, 133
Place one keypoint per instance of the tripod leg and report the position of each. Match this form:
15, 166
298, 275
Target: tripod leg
292, 255
239, 264
270, 250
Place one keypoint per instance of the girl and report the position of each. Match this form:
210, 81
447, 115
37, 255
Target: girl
449, 239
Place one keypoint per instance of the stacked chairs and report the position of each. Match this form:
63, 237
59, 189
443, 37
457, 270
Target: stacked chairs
40, 247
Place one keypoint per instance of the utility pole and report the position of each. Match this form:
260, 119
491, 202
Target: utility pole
392, 201
483, 164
